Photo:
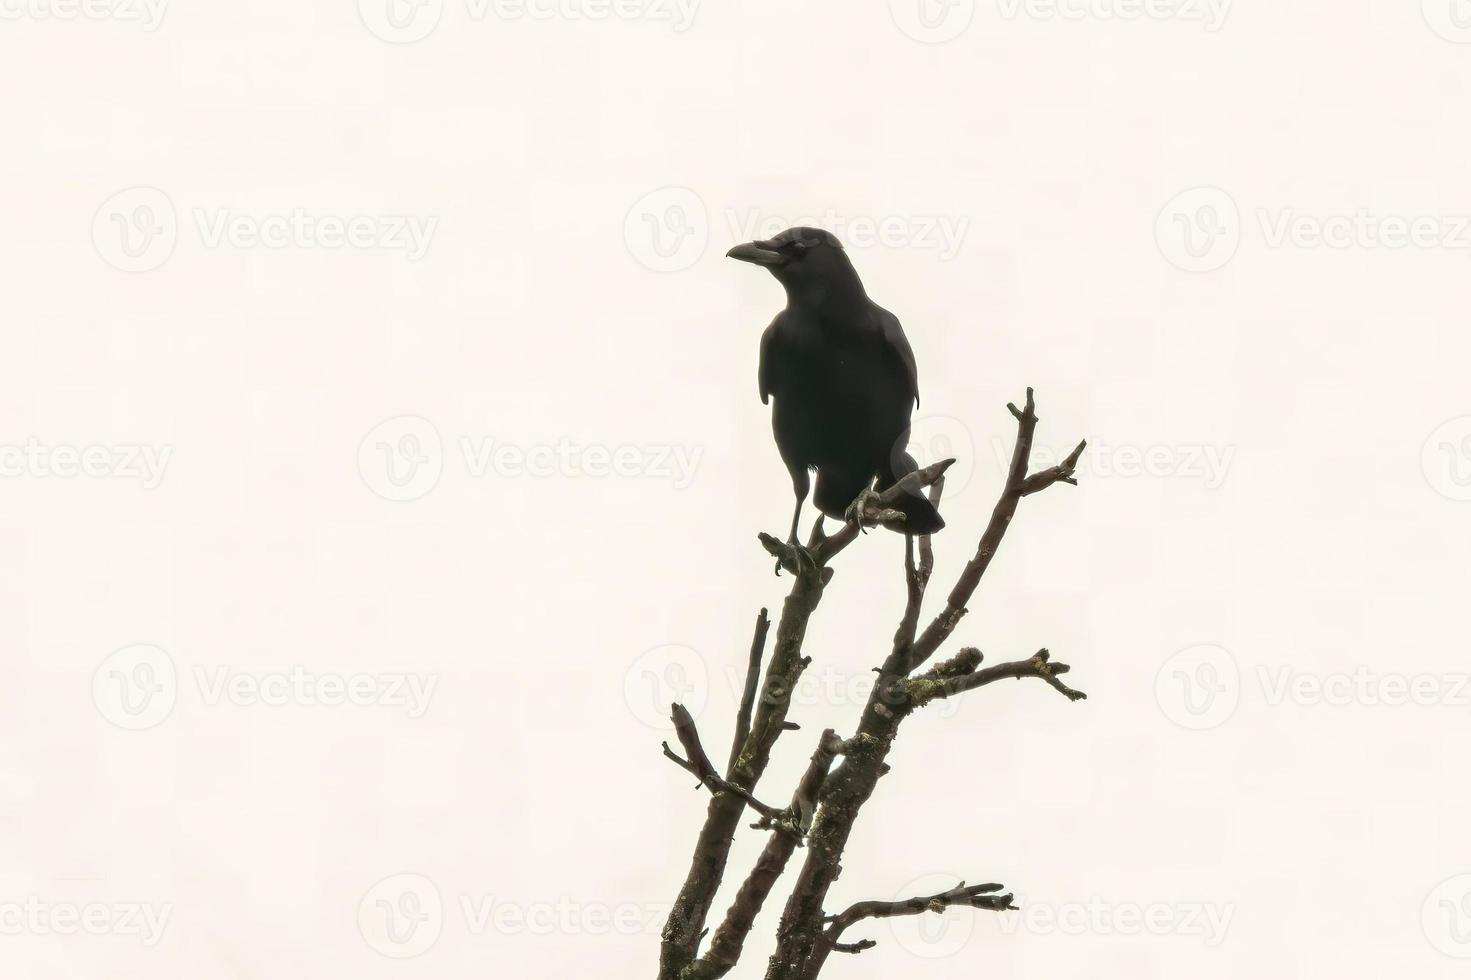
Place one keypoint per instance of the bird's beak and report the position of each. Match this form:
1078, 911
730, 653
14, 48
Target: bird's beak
759, 253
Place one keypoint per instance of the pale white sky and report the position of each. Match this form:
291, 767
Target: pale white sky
380, 443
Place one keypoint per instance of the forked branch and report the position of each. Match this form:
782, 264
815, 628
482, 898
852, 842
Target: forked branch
949, 680
1019, 484
788, 830
972, 896
826, 802
698, 764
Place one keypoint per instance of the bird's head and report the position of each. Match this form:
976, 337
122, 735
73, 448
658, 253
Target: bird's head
809, 262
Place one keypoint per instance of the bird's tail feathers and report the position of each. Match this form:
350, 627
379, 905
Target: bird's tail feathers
920, 516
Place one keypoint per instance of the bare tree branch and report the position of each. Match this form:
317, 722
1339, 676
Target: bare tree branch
1062, 473
801, 948
1018, 485
916, 580
963, 663
871, 509
796, 820
826, 803
934, 687
685, 925
698, 764
973, 896
787, 832
748, 695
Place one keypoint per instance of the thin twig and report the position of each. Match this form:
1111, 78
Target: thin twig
973, 896
928, 687
916, 580
748, 696
1018, 485
699, 765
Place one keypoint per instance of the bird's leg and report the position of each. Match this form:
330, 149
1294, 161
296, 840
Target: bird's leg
866, 502
800, 556
792, 535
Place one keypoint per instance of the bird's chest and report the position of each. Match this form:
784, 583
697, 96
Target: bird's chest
832, 393
832, 369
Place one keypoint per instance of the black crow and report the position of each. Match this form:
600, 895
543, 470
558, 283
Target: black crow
843, 376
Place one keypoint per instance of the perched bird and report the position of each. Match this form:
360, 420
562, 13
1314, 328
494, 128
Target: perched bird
843, 376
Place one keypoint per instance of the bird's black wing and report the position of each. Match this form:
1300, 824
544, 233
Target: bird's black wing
894, 337
766, 373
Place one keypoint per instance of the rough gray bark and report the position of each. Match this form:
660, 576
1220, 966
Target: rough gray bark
826, 803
